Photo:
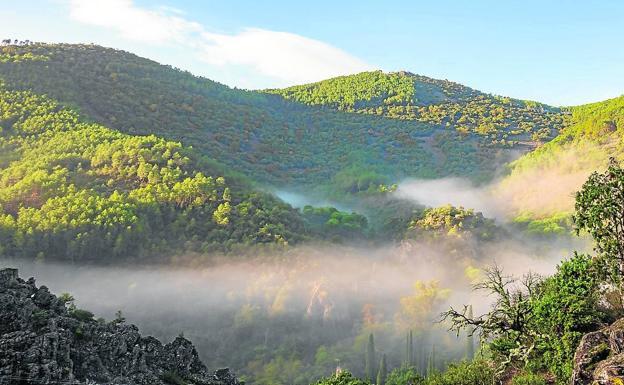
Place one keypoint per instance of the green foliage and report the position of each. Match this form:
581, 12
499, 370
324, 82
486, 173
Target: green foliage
565, 308
81, 315
40, 318
464, 373
405, 96
66, 298
470, 345
80, 191
331, 223
405, 375
382, 373
342, 378
14, 54
274, 140
528, 379
600, 212
451, 221
556, 224
359, 180
541, 323
560, 166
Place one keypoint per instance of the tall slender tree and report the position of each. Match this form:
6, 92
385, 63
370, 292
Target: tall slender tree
409, 349
431, 365
383, 371
470, 348
370, 359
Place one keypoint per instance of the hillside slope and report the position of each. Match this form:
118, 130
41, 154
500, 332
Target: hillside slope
542, 183
80, 191
403, 95
267, 137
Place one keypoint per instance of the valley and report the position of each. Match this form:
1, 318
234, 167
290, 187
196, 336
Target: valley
293, 233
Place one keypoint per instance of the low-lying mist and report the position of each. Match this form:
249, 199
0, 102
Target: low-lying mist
294, 317
257, 314
455, 191
542, 191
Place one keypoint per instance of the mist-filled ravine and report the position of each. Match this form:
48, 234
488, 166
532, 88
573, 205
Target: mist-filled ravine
300, 314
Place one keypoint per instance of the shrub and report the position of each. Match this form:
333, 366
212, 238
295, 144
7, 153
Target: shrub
404, 376
528, 379
81, 315
464, 373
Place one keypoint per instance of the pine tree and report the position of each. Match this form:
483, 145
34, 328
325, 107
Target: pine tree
470, 350
370, 358
383, 372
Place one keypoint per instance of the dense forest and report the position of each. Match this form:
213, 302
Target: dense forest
272, 139
73, 190
403, 95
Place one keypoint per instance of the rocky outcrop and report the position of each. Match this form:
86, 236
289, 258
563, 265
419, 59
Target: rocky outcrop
599, 359
44, 341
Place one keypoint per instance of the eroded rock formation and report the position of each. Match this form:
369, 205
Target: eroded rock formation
42, 341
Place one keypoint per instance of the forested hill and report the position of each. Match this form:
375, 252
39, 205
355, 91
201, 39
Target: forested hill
81, 192
403, 95
272, 139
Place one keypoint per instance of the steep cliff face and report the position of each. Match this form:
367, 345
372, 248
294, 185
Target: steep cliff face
44, 342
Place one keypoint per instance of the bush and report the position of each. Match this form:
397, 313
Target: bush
82, 315
528, 379
464, 373
404, 376
565, 309
342, 378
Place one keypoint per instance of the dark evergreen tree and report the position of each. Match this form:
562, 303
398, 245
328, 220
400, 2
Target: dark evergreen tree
383, 371
370, 359
470, 349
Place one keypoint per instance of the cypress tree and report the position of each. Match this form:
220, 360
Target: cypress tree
409, 350
383, 372
370, 359
431, 363
422, 355
470, 350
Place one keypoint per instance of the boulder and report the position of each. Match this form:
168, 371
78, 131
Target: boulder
599, 358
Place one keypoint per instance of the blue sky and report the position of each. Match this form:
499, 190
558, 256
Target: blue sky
558, 52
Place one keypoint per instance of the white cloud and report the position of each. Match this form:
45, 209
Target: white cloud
287, 58
151, 26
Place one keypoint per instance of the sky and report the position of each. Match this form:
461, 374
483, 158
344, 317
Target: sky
561, 52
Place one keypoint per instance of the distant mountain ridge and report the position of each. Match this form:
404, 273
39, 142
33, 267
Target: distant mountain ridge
273, 138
